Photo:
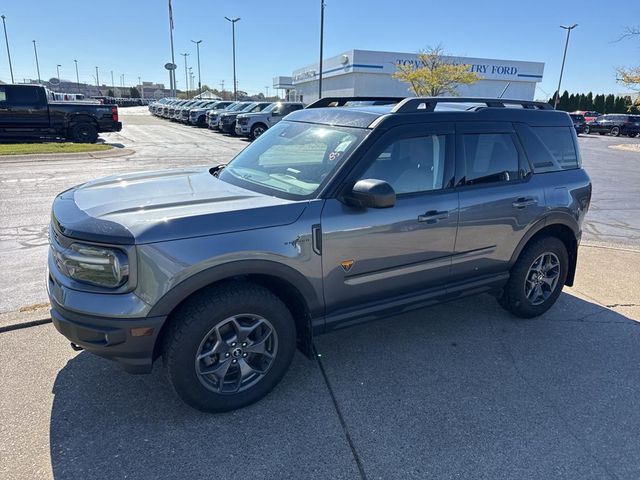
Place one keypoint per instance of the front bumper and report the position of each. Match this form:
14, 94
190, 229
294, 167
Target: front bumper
113, 326
227, 127
243, 129
112, 338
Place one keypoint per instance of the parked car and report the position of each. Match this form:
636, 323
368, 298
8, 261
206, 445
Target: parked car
589, 115
579, 122
198, 116
615, 124
183, 114
235, 108
253, 125
334, 216
27, 113
227, 122
212, 115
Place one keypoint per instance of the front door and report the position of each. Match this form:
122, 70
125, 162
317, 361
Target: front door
372, 255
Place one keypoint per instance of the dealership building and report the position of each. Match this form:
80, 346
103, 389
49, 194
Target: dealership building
366, 72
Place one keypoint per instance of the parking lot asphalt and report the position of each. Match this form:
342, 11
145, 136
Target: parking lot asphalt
461, 390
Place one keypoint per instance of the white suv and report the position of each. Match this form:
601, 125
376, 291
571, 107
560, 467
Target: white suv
253, 125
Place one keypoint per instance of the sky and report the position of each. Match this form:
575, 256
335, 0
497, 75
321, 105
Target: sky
131, 37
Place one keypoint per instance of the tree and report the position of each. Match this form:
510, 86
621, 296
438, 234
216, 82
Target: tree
110, 93
589, 102
134, 93
573, 103
582, 102
609, 104
620, 106
598, 103
564, 102
630, 76
432, 74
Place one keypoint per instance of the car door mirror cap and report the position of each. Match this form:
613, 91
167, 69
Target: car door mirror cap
371, 193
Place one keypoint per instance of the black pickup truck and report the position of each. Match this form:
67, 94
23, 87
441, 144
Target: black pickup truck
28, 113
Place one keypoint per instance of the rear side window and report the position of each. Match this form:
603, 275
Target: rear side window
490, 158
550, 149
23, 96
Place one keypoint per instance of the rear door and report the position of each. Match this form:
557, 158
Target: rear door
370, 255
499, 198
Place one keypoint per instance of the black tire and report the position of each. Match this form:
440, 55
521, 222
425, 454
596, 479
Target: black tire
602, 133
586, 129
192, 325
202, 121
615, 131
84, 133
257, 130
514, 298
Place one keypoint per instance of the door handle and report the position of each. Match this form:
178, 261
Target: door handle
433, 216
522, 202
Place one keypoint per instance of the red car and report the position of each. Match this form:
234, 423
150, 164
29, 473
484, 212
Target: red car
589, 116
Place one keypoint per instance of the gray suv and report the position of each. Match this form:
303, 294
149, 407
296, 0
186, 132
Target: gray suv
337, 215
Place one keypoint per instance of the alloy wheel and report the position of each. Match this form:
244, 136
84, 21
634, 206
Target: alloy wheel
236, 353
542, 278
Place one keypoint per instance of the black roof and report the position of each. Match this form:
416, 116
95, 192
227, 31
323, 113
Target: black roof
367, 112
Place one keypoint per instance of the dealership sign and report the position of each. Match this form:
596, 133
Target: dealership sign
482, 69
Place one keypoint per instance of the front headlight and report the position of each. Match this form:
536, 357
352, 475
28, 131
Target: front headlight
101, 266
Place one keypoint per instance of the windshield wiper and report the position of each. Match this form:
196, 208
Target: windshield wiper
215, 171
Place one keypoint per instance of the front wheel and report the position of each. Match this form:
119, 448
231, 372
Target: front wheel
537, 278
257, 130
229, 346
615, 131
586, 129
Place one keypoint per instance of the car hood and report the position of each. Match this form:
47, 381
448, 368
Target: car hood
254, 114
165, 205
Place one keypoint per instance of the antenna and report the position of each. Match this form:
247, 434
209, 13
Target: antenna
504, 89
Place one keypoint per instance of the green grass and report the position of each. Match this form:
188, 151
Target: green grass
39, 148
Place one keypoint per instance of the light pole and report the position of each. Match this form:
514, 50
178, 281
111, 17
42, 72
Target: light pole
186, 74
113, 85
77, 76
58, 72
267, 90
98, 81
6, 40
564, 56
35, 50
172, 72
321, 44
198, 54
141, 88
233, 36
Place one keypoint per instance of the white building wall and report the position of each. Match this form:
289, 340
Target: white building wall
364, 72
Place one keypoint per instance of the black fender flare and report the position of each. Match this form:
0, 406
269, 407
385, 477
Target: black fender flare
234, 269
552, 219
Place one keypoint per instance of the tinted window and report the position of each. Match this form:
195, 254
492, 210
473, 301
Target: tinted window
23, 96
549, 149
3, 95
411, 165
490, 157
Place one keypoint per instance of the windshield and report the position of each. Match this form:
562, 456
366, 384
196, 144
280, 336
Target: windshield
272, 107
292, 160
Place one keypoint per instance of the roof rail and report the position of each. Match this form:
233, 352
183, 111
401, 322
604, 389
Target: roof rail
341, 101
428, 104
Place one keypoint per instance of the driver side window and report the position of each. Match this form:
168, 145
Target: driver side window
411, 165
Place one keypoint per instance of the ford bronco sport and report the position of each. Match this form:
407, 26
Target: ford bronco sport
336, 215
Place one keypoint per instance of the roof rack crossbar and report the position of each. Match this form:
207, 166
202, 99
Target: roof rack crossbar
428, 104
341, 101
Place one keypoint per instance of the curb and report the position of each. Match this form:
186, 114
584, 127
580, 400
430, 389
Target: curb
113, 152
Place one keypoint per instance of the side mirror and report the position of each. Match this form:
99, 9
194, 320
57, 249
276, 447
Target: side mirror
371, 193
276, 113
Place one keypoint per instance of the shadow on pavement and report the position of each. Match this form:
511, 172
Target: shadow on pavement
464, 390
461, 390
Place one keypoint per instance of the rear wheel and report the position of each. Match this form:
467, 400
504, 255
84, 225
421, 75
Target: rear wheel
537, 278
615, 131
84, 133
229, 346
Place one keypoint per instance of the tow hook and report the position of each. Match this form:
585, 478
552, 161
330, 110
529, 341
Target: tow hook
76, 347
